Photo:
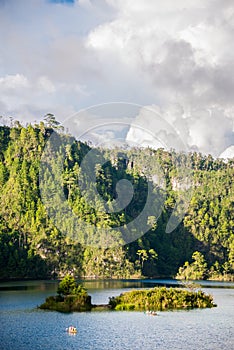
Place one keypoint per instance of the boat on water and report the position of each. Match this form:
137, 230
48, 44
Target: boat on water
71, 330
151, 313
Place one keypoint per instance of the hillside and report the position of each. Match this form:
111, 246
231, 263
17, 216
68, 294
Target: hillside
32, 246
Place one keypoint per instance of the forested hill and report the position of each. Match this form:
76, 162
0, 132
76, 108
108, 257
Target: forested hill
31, 246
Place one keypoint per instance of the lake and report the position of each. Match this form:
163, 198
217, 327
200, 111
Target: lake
23, 326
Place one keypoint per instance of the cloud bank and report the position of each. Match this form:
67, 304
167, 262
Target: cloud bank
176, 57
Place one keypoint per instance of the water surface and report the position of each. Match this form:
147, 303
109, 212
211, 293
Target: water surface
24, 327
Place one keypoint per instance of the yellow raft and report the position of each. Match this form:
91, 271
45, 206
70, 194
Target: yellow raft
71, 330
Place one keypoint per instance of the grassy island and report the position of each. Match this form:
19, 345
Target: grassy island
161, 298
73, 297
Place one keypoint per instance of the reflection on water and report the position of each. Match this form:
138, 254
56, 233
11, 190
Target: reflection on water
28, 285
24, 327
107, 284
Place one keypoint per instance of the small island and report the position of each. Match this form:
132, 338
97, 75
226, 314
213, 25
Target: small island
74, 297
160, 299
70, 297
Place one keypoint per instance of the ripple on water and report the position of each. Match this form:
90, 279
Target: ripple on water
24, 327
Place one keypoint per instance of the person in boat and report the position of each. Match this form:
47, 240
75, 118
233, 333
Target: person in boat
153, 313
71, 329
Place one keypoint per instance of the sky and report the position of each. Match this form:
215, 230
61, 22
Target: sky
173, 58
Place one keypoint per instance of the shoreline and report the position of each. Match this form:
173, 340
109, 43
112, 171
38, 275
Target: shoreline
131, 279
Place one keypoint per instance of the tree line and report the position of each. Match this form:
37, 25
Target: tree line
32, 246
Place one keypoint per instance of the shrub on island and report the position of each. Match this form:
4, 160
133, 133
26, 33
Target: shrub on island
71, 297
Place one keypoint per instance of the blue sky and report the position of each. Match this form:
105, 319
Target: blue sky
174, 56
62, 1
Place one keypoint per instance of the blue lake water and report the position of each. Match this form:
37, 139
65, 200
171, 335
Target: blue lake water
23, 326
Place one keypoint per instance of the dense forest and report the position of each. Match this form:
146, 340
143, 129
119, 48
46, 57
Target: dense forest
33, 245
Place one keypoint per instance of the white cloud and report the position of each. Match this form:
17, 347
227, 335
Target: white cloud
228, 153
13, 82
45, 84
211, 131
204, 130
178, 55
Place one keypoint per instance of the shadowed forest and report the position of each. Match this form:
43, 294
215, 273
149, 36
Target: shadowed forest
32, 246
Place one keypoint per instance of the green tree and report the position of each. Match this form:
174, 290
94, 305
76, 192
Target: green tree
196, 270
67, 286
